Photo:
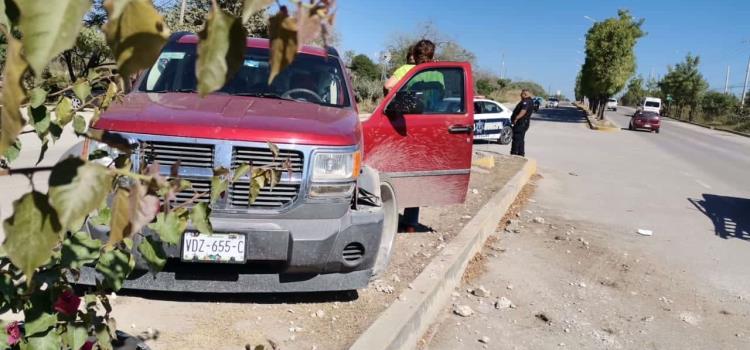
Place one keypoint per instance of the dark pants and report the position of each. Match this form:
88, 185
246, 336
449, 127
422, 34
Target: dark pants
519, 135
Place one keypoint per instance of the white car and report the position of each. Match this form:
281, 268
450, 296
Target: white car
553, 102
492, 121
612, 104
651, 104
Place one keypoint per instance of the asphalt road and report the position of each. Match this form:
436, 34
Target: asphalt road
689, 185
577, 271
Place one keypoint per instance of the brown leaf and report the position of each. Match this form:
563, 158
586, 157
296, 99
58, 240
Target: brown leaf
11, 121
135, 32
250, 7
309, 22
143, 207
282, 30
119, 224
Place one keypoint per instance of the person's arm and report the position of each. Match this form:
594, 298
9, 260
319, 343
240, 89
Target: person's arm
519, 116
391, 82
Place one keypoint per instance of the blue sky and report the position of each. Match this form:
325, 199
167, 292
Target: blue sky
543, 40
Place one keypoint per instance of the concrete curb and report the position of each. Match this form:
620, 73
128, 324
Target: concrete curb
710, 127
402, 324
591, 124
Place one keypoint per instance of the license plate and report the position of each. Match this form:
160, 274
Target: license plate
646, 125
215, 248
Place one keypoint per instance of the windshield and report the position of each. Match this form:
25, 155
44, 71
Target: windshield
612, 100
652, 104
553, 99
309, 78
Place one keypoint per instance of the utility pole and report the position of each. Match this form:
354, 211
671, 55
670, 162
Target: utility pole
182, 12
502, 67
744, 89
726, 83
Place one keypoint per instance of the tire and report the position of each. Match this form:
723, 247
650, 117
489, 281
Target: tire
390, 227
630, 126
506, 136
656, 131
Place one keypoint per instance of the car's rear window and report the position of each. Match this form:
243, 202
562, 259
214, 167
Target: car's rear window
652, 104
612, 100
649, 114
309, 78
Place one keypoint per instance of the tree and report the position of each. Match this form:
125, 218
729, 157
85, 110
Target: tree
715, 104
610, 58
364, 67
635, 92
196, 11
685, 83
446, 49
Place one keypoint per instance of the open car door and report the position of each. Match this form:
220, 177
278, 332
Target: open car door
420, 136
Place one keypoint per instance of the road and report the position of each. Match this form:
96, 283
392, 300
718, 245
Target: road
688, 185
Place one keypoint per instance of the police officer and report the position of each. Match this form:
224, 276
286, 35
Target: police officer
520, 120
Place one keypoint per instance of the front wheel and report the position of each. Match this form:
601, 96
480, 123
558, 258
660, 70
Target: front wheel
506, 135
657, 131
390, 227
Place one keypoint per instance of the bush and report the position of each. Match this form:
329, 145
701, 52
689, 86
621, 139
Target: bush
716, 104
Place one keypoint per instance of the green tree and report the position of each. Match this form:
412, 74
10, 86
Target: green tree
197, 10
610, 58
364, 67
685, 83
715, 104
635, 92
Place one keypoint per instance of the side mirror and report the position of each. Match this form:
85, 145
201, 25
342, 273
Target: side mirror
405, 102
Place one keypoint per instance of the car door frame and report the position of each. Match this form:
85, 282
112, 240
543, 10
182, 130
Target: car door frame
391, 146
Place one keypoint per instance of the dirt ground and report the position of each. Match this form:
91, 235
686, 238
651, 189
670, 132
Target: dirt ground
577, 290
301, 321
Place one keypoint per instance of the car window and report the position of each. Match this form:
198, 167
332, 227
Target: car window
652, 104
309, 78
490, 107
441, 90
478, 108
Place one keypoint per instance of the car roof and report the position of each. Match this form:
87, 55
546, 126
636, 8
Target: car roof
259, 43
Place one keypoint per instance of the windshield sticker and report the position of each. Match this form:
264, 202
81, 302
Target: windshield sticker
252, 63
172, 55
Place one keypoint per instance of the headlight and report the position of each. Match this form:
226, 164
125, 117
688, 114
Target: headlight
336, 166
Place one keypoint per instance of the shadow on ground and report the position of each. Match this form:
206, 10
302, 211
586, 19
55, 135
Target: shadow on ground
559, 115
730, 215
257, 298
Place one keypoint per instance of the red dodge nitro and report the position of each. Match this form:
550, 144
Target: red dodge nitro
315, 230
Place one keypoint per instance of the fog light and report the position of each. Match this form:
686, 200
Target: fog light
331, 190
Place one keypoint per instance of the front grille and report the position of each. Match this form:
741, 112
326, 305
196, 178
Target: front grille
188, 154
200, 186
197, 160
279, 196
262, 156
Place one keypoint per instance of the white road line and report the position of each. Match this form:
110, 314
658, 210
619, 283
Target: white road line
703, 184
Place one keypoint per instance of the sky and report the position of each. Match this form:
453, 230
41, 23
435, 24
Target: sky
543, 40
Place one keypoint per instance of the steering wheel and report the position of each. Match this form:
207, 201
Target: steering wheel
289, 93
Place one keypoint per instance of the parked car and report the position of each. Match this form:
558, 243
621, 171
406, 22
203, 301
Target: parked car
330, 222
553, 102
645, 120
537, 103
651, 104
492, 121
612, 104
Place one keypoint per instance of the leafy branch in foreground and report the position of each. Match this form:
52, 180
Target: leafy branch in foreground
47, 246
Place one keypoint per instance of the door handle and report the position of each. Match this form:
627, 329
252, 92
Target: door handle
460, 129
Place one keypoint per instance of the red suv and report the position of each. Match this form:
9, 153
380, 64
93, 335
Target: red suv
330, 223
645, 120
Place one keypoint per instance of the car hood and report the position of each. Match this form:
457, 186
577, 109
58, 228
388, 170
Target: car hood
237, 118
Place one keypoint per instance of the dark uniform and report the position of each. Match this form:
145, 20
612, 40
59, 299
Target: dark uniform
520, 127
